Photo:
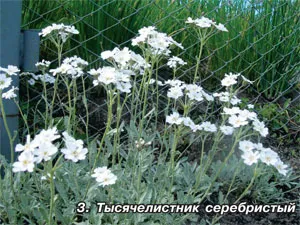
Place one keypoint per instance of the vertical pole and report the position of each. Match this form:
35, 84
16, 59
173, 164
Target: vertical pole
10, 27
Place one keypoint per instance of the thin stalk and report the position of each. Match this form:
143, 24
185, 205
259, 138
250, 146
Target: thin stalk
46, 102
59, 55
11, 144
51, 197
87, 111
108, 124
22, 115
249, 186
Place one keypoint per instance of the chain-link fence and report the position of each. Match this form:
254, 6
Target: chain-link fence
262, 44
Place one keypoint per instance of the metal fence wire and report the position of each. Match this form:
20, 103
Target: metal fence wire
262, 44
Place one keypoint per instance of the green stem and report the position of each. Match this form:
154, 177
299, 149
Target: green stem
7, 129
108, 124
22, 115
87, 111
198, 60
249, 186
46, 102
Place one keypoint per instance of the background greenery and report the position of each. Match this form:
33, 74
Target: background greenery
262, 42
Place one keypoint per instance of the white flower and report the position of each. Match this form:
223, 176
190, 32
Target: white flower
250, 157
30, 146
221, 27
63, 31
187, 121
234, 100
189, 20
223, 96
141, 143
247, 80
10, 70
25, 163
46, 78
74, 149
48, 135
175, 83
194, 92
158, 43
247, 114
45, 151
174, 118
63, 69
227, 130
208, 97
10, 93
175, 92
4, 81
124, 87
107, 54
94, 72
250, 106
268, 156
228, 81
259, 147
31, 82
45, 177
122, 56
159, 83
75, 61
43, 64
246, 146
202, 22
71, 29
237, 121
281, 167
208, 126
72, 66
175, 61
107, 75
231, 111
260, 127
104, 176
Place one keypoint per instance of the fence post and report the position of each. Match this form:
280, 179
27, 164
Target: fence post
10, 27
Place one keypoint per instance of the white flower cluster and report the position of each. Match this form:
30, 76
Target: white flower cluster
63, 31
177, 119
154, 81
238, 118
193, 91
36, 150
158, 43
175, 61
47, 78
266, 155
231, 79
74, 149
204, 22
42, 148
10, 70
125, 59
6, 80
104, 176
225, 97
141, 143
43, 64
109, 75
72, 66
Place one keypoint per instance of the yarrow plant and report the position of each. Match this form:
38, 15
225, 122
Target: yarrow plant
143, 151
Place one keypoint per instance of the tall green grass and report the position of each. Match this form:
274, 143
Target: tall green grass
262, 43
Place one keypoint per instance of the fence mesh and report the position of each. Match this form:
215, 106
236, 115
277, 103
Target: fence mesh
262, 44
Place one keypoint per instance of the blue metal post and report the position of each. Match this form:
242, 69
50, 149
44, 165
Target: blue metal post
10, 27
